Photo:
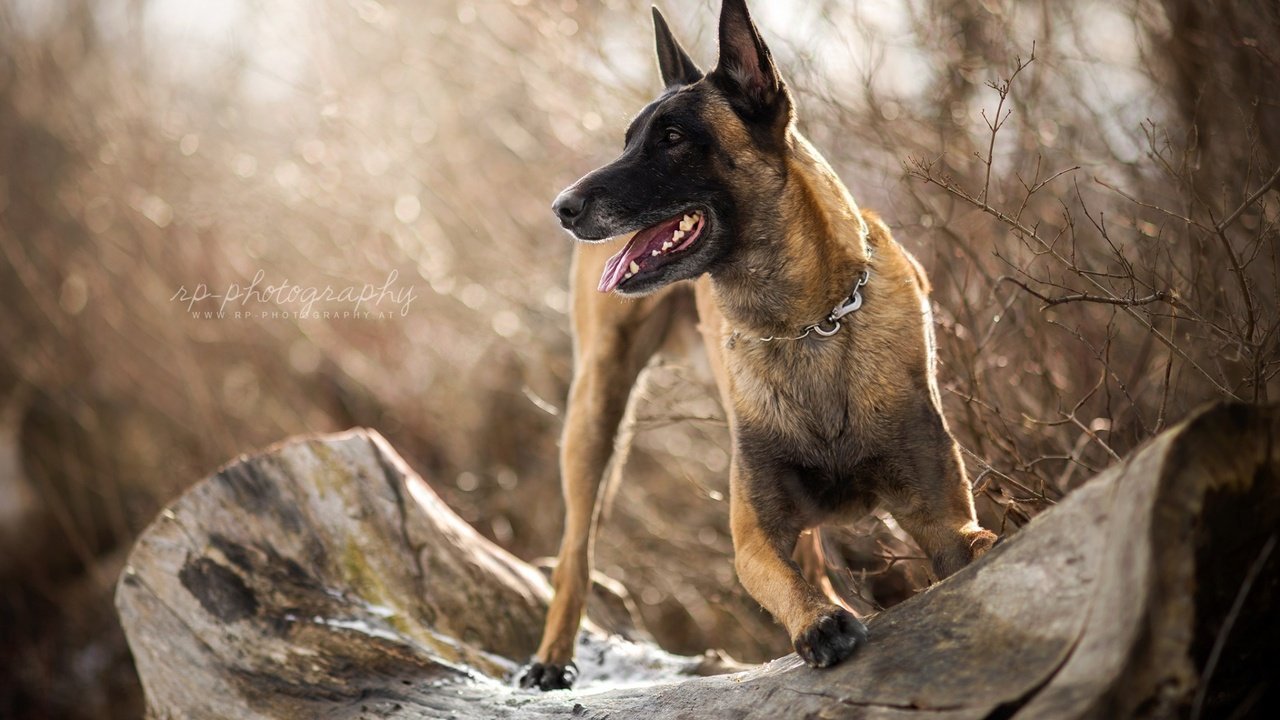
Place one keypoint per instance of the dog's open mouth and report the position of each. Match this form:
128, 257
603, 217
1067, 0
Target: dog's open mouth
652, 247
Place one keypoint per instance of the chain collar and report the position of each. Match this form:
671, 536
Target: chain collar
828, 326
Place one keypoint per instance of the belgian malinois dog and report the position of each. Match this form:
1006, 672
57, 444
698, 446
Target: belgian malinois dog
816, 323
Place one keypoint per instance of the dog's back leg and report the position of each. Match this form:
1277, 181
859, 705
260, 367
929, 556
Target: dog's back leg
613, 341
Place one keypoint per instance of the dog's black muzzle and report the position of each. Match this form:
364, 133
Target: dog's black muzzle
569, 206
587, 212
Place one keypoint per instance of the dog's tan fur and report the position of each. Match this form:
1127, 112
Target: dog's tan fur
614, 339
823, 429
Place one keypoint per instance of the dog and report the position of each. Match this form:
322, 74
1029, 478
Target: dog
816, 323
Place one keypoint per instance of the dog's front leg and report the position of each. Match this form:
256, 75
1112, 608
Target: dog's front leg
597, 401
613, 341
822, 633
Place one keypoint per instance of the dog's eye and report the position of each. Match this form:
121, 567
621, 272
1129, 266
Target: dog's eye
672, 135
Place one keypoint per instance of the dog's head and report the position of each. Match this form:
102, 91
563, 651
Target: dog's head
697, 161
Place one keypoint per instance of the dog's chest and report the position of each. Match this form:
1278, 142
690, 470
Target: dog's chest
809, 436
815, 408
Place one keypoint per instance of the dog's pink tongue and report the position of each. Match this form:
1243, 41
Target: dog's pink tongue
636, 250
616, 268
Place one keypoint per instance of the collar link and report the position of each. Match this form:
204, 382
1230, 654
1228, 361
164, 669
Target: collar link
828, 326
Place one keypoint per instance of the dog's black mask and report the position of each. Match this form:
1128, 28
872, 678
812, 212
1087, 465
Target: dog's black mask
672, 186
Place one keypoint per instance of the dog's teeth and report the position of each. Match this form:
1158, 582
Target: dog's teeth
667, 245
687, 223
675, 236
627, 276
634, 267
656, 253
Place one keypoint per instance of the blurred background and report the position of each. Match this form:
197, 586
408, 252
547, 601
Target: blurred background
1099, 223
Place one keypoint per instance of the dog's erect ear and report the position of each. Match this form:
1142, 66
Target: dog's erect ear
745, 70
676, 65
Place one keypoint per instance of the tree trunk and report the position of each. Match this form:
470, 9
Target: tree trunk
323, 578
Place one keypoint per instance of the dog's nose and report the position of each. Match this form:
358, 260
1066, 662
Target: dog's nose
569, 206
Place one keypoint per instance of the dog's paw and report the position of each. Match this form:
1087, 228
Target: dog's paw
831, 638
982, 541
548, 676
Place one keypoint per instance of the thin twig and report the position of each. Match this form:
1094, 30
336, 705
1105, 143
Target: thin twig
1158, 296
1275, 177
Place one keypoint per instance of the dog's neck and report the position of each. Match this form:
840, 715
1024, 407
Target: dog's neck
801, 254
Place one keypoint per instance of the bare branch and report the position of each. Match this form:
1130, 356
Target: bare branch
1164, 296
